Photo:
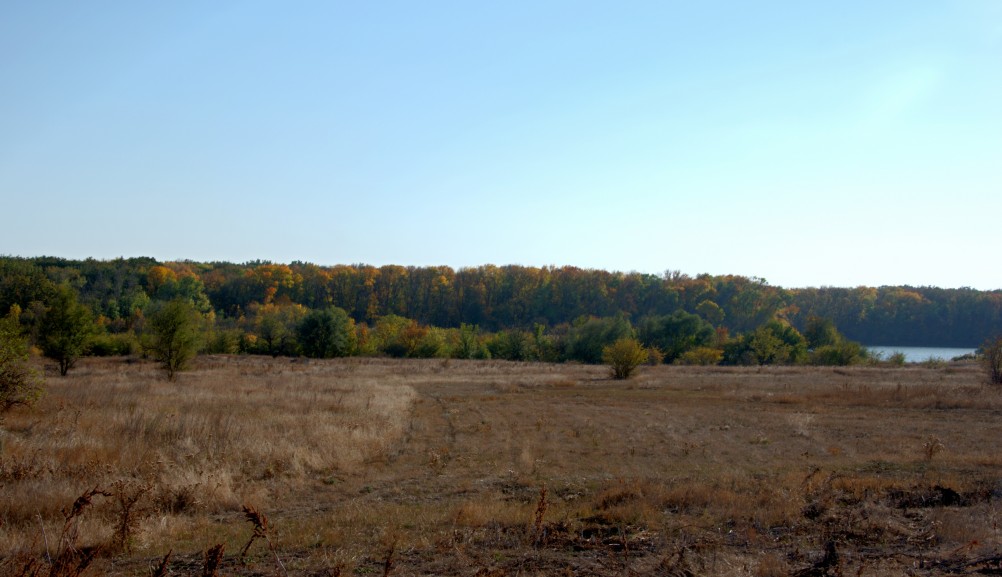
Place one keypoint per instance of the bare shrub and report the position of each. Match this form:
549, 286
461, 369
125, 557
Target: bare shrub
128, 495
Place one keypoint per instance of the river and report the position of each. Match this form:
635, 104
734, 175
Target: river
919, 354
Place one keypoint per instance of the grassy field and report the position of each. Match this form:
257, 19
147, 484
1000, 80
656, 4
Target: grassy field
376, 467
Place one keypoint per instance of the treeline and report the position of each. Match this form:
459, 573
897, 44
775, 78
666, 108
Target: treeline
541, 312
905, 316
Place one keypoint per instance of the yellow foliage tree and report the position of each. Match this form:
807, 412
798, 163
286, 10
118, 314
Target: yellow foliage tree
624, 356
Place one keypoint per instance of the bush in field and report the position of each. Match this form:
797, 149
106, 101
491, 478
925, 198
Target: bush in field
224, 342
845, 352
172, 335
991, 358
111, 345
896, 359
701, 356
19, 383
624, 356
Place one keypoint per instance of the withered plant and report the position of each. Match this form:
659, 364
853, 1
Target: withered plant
260, 523
128, 495
537, 525
163, 568
213, 558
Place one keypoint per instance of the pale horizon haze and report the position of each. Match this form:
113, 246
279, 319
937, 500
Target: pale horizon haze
806, 143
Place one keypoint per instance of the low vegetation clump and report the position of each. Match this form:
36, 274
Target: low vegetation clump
437, 466
20, 383
624, 356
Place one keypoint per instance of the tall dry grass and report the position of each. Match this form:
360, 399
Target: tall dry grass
223, 435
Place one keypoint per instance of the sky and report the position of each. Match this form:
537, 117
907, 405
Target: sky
805, 143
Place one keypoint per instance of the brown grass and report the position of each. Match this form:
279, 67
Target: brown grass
365, 466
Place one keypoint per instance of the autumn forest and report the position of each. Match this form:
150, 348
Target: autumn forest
510, 312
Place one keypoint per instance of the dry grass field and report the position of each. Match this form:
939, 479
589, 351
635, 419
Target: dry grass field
383, 467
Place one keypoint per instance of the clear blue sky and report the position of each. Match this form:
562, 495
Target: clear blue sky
808, 143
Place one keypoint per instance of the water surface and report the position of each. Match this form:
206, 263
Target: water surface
919, 354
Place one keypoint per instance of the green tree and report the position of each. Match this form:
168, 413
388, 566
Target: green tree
172, 335
19, 383
395, 335
469, 344
22, 283
589, 336
187, 287
828, 347
775, 342
675, 334
276, 328
711, 311
820, 332
433, 344
327, 333
511, 345
624, 356
65, 328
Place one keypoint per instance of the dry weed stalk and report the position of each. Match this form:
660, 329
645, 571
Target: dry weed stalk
932, 447
829, 565
163, 569
388, 564
541, 506
128, 494
70, 561
260, 522
213, 557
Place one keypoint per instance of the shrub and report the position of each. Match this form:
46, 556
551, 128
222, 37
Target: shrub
19, 383
844, 353
775, 342
701, 356
224, 342
654, 356
624, 356
112, 345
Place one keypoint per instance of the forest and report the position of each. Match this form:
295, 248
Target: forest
508, 312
